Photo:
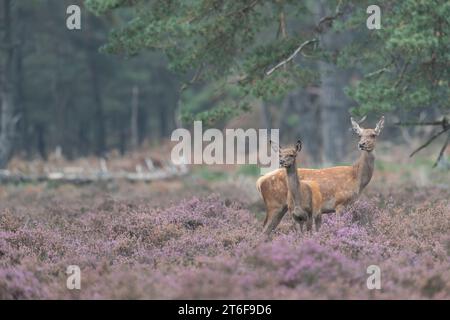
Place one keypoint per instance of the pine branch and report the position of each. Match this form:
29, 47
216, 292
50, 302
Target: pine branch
242, 10
432, 138
441, 153
292, 56
429, 123
331, 18
375, 73
194, 79
445, 127
402, 73
444, 123
318, 29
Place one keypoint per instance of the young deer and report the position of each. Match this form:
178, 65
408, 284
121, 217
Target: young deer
302, 198
339, 186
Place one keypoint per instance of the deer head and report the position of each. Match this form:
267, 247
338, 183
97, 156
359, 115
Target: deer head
368, 137
287, 155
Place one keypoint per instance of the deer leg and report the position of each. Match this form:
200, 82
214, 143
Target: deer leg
298, 224
275, 221
266, 219
269, 213
339, 209
318, 221
298, 227
309, 222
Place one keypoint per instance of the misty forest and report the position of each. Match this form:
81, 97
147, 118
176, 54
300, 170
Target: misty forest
91, 92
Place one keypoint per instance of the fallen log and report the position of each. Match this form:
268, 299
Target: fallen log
74, 177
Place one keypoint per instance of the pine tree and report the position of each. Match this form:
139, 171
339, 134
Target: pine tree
263, 48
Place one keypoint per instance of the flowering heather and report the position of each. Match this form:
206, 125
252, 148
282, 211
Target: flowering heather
211, 247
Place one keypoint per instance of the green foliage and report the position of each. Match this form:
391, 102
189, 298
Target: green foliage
218, 41
406, 62
224, 38
222, 112
212, 104
101, 7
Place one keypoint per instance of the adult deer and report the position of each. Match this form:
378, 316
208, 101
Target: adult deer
339, 186
304, 200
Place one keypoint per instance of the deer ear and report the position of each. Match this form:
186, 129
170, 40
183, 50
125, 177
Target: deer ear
275, 146
355, 126
298, 145
379, 126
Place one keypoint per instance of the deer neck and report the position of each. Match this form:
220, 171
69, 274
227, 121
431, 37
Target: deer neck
364, 168
293, 184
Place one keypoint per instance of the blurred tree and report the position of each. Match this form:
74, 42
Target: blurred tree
228, 50
293, 57
250, 45
405, 63
58, 90
7, 88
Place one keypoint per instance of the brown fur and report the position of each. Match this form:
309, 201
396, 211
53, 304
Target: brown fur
339, 186
300, 197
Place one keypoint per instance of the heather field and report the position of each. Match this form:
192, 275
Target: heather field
133, 134
200, 237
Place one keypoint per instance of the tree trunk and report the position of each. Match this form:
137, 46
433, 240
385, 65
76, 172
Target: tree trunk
22, 129
99, 117
163, 118
134, 125
143, 124
41, 146
334, 115
304, 104
22, 126
82, 139
334, 102
93, 61
266, 118
8, 121
60, 101
122, 141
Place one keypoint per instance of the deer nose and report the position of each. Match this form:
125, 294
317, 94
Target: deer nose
361, 145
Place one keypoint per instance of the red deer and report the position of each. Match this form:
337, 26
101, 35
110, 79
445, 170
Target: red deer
302, 198
339, 186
